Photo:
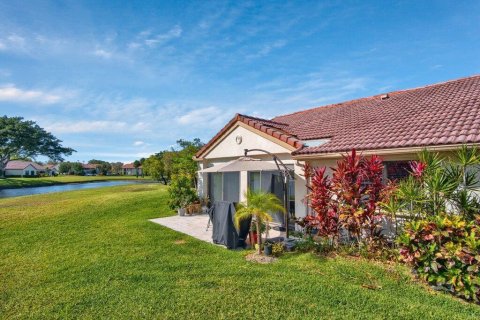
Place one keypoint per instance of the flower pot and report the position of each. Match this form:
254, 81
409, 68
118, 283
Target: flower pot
181, 211
267, 249
253, 238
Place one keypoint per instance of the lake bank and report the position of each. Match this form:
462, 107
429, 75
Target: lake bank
72, 186
14, 183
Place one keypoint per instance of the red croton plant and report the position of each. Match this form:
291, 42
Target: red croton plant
348, 200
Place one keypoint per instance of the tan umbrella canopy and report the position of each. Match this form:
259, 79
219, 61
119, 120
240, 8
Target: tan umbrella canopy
243, 164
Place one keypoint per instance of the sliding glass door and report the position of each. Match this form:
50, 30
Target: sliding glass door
224, 186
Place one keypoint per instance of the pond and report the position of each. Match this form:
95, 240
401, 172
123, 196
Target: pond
8, 193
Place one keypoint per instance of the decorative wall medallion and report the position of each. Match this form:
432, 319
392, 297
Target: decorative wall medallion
238, 139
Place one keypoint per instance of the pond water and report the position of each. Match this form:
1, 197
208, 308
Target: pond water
8, 193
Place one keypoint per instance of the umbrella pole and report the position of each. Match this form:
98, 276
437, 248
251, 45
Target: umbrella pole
285, 175
285, 204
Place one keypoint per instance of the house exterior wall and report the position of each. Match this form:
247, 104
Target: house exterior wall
132, 172
21, 172
13, 172
229, 147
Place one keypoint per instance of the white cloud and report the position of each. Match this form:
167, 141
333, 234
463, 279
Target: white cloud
16, 40
266, 49
13, 42
107, 126
203, 116
173, 33
103, 53
145, 38
13, 94
138, 143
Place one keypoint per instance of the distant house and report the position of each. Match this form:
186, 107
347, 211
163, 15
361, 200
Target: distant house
23, 168
129, 169
90, 169
52, 169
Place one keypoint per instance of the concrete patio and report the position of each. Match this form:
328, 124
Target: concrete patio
196, 225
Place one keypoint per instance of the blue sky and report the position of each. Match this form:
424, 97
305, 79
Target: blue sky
118, 80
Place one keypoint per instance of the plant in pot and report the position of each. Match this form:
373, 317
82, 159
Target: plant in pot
267, 248
253, 232
257, 207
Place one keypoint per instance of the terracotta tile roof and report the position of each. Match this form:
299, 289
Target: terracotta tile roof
129, 166
273, 128
89, 166
439, 114
20, 165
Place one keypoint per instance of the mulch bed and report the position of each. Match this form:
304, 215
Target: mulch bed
260, 258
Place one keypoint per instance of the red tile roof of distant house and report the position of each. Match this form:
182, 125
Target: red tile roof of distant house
129, 166
89, 166
446, 113
20, 165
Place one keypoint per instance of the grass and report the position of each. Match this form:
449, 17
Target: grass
93, 254
7, 183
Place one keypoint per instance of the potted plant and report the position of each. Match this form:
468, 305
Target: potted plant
253, 232
257, 207
267, 248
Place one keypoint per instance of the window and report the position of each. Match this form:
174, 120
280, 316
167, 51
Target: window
254, 183
397, 170
231, 186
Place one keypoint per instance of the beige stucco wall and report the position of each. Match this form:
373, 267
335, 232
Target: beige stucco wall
228, 147
20, 172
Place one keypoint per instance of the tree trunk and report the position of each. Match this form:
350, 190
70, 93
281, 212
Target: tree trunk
3, 164
259, 236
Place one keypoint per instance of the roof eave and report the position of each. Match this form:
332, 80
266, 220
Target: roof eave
416, 149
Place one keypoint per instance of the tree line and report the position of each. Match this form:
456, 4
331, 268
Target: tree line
174, 162
24, 139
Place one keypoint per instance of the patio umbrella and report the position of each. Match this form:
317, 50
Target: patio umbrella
243, 164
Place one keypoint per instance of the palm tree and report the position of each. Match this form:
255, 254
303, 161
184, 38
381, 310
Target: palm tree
258, 206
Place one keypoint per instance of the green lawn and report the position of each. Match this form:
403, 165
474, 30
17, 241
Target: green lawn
93, 254
48, 181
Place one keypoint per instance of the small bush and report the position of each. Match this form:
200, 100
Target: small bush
278, 249
445, 251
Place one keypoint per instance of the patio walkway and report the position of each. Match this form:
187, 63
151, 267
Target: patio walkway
196, 225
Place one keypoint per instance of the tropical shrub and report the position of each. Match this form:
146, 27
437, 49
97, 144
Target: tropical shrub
277, 249
357, 185
348, 201
258, 206
440, 184
181, 193
445, 251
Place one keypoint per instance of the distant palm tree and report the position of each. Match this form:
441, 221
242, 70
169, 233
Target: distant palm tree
258, 206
